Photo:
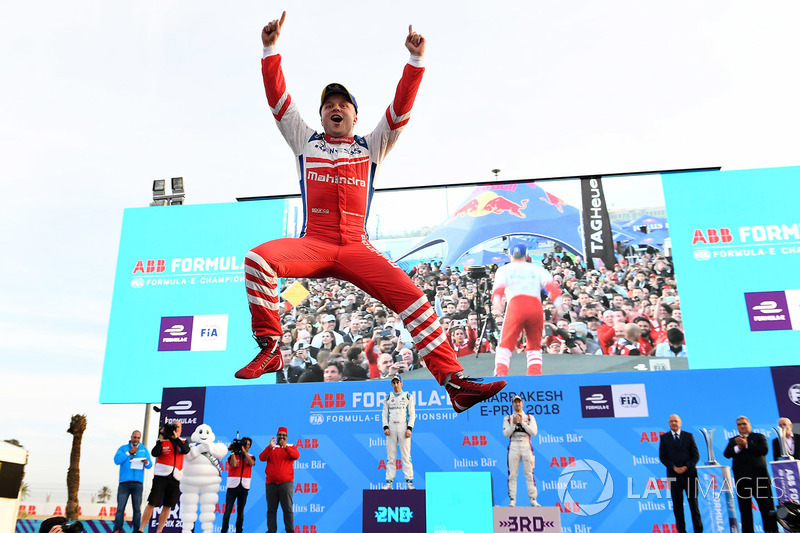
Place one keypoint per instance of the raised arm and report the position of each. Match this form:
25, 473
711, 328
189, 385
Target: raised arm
414, 41
271, 32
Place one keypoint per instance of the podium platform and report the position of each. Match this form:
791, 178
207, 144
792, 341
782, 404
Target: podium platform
393, 511
539, 519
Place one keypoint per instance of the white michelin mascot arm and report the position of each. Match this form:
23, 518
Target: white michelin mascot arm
201, 479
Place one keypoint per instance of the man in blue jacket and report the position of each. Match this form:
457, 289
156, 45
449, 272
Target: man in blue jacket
132, 460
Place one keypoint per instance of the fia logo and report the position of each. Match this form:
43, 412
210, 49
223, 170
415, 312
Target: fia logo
394, 514
210, 331
629, 400
316, 419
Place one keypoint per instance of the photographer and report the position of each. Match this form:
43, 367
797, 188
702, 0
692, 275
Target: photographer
240, 463
169, 451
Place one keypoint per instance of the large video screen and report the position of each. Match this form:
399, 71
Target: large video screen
624, 250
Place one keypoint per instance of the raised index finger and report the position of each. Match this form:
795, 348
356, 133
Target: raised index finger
410, 30
280, 22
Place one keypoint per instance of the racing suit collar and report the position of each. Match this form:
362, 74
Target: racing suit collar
341, 140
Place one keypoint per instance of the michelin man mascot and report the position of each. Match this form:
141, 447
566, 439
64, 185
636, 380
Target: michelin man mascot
201, 479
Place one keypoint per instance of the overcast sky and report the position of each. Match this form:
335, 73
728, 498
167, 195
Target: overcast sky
99, 98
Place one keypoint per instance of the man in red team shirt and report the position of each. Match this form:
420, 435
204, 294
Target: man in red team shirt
168, 451
280, 458
337, 172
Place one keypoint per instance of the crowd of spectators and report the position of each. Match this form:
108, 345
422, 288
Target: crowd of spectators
341, 333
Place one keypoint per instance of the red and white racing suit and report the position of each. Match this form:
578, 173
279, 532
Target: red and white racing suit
336, 182
520, 450
522, 283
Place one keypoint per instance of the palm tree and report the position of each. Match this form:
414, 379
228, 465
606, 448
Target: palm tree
103, 495
77, 426
24, 491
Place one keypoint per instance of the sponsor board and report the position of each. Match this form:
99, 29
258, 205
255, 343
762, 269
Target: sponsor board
200, 333
741, 240
179, 301
616, 401
601, 473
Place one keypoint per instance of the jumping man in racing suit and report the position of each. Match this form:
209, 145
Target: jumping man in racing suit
520, 427
398, 421
337, 172
522, 284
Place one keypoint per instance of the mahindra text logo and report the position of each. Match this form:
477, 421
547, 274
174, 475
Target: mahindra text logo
182, 408
337, 180
393, 514
176, 330
768, 307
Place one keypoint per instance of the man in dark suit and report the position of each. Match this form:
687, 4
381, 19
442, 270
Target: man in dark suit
748, 451
790, 440
678, 451
289, 373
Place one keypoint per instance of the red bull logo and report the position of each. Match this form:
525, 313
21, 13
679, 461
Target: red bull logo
489, 202
555, 201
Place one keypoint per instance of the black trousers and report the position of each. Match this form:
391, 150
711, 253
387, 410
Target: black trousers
280, 492
238, 495
759, 488
679, 484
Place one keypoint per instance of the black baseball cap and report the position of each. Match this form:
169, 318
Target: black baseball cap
336, 88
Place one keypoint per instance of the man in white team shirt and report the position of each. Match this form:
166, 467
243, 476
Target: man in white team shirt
521, 283
398, 420
519, 427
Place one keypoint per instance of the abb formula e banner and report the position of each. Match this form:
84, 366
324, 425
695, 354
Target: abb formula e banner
736, 247
596, 452
179, 305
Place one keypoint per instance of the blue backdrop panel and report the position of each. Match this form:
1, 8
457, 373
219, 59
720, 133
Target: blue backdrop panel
179, 313
459, 501
601, 471
736, 233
